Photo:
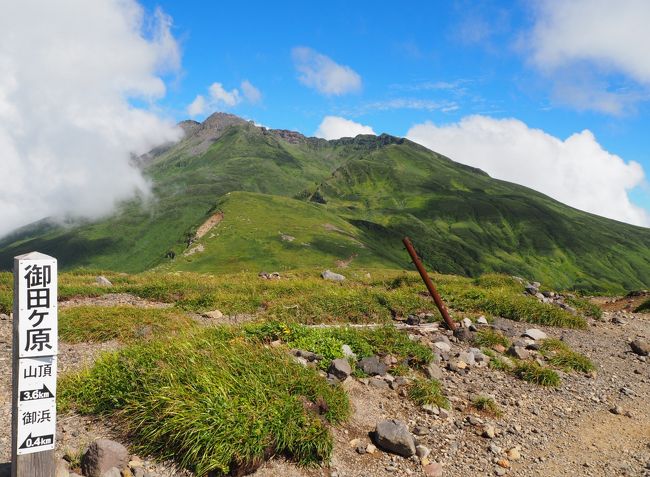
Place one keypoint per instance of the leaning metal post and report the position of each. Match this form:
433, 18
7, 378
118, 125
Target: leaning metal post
427, 281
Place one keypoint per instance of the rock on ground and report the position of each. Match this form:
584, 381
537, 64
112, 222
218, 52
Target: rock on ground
335, 277
393, 436
101, 456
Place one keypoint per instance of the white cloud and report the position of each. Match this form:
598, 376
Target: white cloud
576, 171
219, 95
198, 106
578, 42
335, 127
324, 74
67, 126
219, 98
251, 93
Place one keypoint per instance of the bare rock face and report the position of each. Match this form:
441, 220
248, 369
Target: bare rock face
101, 456
393, 436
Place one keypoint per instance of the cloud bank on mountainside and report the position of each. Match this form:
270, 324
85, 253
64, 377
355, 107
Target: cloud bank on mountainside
335, 127
69, 74
576, 171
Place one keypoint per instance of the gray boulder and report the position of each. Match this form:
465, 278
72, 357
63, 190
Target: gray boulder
518, 352
535, 334
340, 368
393, 436
639, 347
334, 277
372, 366
433, 371
101, 456
103, 281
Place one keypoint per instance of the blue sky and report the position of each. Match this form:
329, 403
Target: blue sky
550, 94
419, 61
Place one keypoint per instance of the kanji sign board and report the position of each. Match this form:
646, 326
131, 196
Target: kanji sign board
35, 350
37, 305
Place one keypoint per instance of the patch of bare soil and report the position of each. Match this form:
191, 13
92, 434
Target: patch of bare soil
208, 225
112, 299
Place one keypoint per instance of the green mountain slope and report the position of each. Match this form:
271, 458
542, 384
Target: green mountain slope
347, 200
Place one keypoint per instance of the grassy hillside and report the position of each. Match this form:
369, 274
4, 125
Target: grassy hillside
340, 200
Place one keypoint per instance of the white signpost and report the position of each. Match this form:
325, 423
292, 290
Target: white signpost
35, 346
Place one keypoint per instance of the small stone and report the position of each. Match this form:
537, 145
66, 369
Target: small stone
444, 413
500, 471
361, 449
422, 451
499, 348
101, 456
213, 315
393, 436
535, 334
467, 322
61, 468
378, 383
639, 347
420, 431
340, 368
514, 454
482, 320
431, 409
618, 410
489, 432
103, 281
331, 276
442, 346
518, 352
347, 352
495, 449
433, 371
372, 366
467, 358
371, 449
503, 463
432, 470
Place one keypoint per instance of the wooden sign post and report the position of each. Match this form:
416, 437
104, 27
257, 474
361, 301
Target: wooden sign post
35, 346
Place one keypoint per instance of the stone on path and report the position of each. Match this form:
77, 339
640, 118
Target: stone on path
340, 368
334, 277
432, 470
518, 352
535, 334
433, 371
101, 456
393, 436
442, 346
372, 366
639, 347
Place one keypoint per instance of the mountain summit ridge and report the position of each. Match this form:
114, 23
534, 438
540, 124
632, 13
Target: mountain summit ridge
349, 197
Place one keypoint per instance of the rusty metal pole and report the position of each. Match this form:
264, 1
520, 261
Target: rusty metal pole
427, 281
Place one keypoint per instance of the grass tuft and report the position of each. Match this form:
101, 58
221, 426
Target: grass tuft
534, 373
643, 307
558, 354
487, 405
212, 401
488, 337
123, 323
428, 391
